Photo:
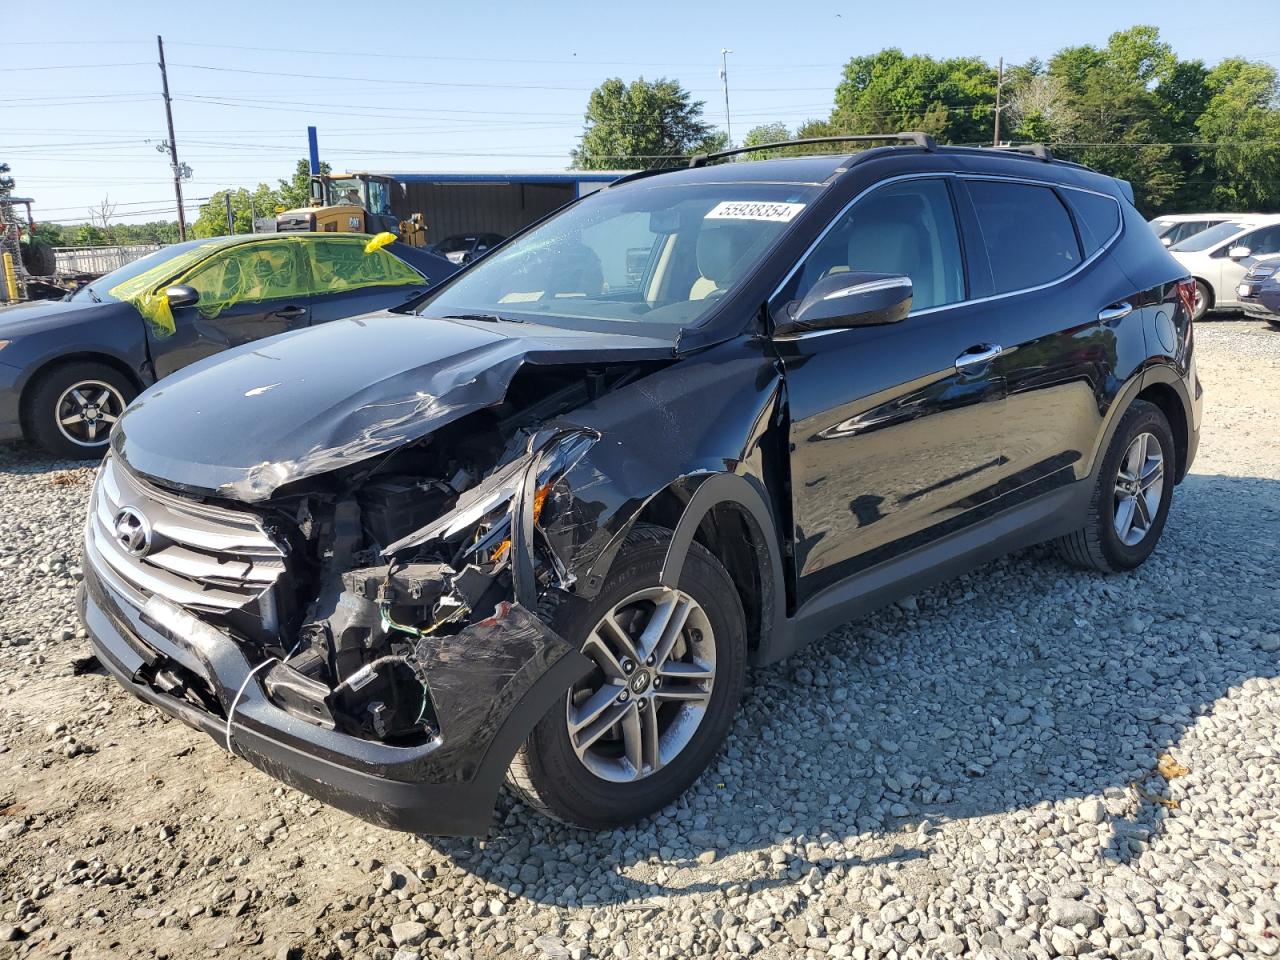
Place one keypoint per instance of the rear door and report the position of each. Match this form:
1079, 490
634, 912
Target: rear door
247, 292
896, 434
345, 280
1060, 301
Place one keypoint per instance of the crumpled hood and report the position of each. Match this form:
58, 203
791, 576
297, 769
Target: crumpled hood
245, 422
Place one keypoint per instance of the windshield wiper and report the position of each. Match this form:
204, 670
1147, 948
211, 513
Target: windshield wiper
486, 317
92, 295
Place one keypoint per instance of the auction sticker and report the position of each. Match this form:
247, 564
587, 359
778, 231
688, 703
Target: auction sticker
755, 210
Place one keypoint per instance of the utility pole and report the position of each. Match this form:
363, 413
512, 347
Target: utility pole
231, 224
173, 145
999, 83
724, 75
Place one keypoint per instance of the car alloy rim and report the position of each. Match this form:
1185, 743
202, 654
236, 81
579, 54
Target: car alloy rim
655, 665
1200, 298
1139, 486
86, 411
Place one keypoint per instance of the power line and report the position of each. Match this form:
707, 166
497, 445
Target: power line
75, 66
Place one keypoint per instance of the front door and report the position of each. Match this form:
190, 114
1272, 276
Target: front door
1260, 242
896, 430
247, 292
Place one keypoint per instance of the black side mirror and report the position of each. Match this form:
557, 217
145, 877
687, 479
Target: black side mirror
853, 299
181, 295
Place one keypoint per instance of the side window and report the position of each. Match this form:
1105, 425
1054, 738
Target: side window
1027, 233
338, 265
1266, 240
1098, 218
905, 228
246, 274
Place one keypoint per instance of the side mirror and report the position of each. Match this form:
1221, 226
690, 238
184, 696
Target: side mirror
1166, 241
181, 295
854, 299
1238, 253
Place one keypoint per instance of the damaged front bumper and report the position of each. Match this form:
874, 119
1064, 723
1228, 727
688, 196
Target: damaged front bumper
491, 684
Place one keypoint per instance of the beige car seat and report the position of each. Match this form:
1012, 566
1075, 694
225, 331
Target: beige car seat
719, 250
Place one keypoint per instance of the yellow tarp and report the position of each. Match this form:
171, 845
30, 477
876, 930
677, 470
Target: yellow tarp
269, 269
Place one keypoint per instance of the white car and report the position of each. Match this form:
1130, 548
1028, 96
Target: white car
1173, 228
1218, 258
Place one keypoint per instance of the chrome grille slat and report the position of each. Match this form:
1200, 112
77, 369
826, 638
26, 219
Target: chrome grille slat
202, 557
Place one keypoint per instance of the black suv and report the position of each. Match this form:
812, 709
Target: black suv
538, 525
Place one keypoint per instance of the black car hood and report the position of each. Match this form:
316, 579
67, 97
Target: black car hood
22, 319
245, 422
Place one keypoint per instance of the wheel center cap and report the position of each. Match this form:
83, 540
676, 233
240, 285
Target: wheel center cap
639, 682
91, 413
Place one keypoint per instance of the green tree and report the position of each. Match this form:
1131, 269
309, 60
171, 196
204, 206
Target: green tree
1242, 119
641, 124
1121, 120
296, 191
954, 100
766, 133
212, 221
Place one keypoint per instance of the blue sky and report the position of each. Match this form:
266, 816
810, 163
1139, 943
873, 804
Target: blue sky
460, 85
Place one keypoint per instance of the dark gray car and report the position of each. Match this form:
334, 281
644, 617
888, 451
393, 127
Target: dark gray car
1259, 291
69, 367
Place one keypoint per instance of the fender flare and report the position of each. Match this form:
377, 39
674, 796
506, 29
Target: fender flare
743, 495
1161, 373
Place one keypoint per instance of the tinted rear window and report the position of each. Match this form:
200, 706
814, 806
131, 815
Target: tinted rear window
1098, 218
1027, 233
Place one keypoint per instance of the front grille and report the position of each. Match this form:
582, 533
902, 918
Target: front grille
198, 556
1260, 272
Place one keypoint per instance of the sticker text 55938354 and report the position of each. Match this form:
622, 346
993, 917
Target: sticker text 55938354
755, 210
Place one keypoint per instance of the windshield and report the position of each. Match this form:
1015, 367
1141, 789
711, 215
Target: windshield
100, 287
1208, 238
346, 190
456, 244
650, 252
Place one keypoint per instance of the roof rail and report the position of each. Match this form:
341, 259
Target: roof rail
913, 136
1031, 149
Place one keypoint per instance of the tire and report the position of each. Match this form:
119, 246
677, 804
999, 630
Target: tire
1098, 544
547, 772
53, 399
1204, 299
39, 259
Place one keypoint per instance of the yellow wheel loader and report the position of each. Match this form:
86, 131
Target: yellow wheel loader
353, 203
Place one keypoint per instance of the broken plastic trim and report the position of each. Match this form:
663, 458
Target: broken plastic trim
551, 454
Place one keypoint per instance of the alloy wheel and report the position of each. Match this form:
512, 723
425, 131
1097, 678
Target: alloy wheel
1139, 486
85, 412
655, 666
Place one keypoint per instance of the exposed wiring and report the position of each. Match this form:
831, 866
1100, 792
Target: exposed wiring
239, 693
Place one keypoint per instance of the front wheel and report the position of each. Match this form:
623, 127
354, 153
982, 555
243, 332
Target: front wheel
669, 667
72, 408
1131, 497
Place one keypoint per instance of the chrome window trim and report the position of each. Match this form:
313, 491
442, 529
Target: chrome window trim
1110, 241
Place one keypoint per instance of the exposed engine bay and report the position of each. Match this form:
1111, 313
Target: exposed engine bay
401, 551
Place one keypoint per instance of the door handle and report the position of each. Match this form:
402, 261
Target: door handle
289, 313
1117, 311
977, 355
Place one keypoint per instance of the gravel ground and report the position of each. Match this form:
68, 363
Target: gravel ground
1026, 762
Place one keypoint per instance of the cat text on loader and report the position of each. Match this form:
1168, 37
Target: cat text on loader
353, 203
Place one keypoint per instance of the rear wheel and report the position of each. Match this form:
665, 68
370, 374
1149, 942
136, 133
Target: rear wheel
669, 666
1204, 297
1131, 497
71, 410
